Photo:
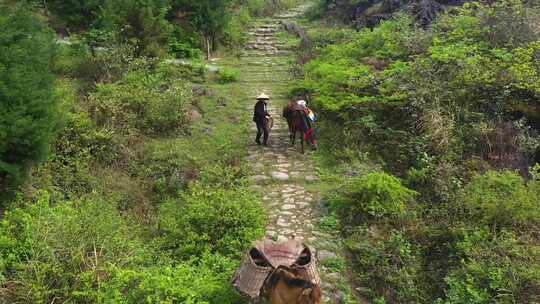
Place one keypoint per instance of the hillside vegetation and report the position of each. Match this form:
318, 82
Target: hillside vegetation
435, 166
119, 182
123, 172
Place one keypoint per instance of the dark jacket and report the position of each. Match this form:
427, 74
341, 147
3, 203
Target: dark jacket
260, 112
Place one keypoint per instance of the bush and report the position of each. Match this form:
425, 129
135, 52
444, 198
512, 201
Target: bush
173, 164
84, 252
500, 268
227, 75
389, 266
64, 250
267, 8
502, 199
28, 112
70, 56
211, 220
235, 35
141, 103
192, 71
376, 196
141, 22
436, 105
94, 56
205, 281
72, 14
185, 44
79, 144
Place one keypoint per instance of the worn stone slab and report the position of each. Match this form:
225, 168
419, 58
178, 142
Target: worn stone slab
259, 178
281, 176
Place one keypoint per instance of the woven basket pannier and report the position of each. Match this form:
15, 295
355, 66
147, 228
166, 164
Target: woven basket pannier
250, 277
307, 267
266, 256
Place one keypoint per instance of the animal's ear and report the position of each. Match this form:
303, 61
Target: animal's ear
307, 291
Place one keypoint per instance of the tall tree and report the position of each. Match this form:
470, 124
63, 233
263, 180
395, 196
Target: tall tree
74, 14
209, 17
27, 107
141, 22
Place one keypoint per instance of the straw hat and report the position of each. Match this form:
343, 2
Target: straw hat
263, 96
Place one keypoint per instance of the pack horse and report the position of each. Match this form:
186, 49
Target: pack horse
282, 272
300, 120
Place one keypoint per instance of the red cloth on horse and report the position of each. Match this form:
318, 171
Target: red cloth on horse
309, 136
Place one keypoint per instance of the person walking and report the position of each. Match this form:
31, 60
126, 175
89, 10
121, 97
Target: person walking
260, 117
309, 135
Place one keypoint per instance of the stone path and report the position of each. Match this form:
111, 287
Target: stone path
281, 172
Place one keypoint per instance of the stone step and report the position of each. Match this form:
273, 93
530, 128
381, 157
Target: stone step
273, 25
266, 54
264, 74
273, 48
262, 29
263, 42
261, 81
262, 34
271, 63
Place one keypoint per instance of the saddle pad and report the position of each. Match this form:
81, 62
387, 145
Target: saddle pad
280, 254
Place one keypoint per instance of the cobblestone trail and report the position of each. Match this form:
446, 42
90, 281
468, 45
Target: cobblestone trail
282, 173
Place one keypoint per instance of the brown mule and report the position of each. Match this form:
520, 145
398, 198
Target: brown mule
296, 120
287, 113
286, 286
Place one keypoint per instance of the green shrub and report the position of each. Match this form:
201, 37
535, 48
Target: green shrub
435, 105
335, 264
63, 250
94, 56
74, 15
390, 267
211, 220
79, 145
329, 223
373, 196
322, 38
227, 75
173, 164
205, 281
267, 8
185, 44
85, 252
500, 268
502, 199
71, 56
141, 22
193, 71
184, 50
28, 111
141, 103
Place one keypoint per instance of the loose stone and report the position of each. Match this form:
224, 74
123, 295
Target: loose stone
279, 176
287, 207
282, 223
325, 254
311, 178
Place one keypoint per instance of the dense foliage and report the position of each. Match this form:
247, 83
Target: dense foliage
370, 12
126, 188
125, 171
452, 110
27, 105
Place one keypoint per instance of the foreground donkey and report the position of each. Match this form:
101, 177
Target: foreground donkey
286, 286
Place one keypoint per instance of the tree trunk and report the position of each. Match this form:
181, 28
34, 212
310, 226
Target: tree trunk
45, 8
208, 46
